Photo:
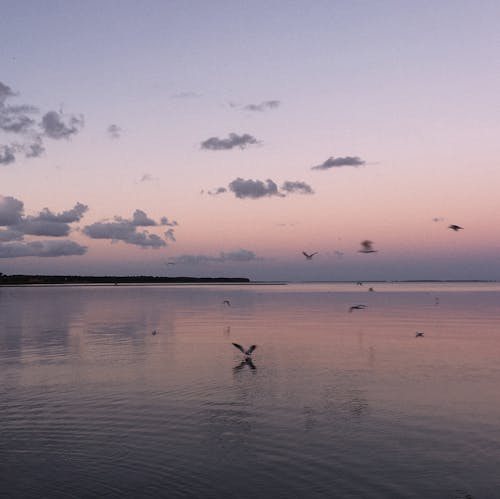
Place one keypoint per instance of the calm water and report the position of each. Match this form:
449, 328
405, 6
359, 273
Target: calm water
339, 405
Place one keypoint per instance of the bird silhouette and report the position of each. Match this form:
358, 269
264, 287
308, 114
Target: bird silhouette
367, 247
154, 332
248, 351
356, 307
419, 335
454, 227
226, 302
309, 255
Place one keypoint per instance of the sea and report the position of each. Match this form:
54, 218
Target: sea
135, 391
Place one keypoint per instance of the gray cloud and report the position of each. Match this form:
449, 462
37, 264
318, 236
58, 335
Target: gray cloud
233, 140
241, 255
126, 230
7, 155
114, 131
296, 187
21, 122
5, 92
46, 223
41, 248
216, 192
10, 235
167, 222
11, 211
253, 189
263, 106
169, 234
34, 227
68, 216
332, 162
58, 126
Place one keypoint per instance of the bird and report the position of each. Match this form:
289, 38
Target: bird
309, 255
454, 227
371, 289
419, 335
226, 302
359, 283
248, 351
154, 332
367, 247
356, 307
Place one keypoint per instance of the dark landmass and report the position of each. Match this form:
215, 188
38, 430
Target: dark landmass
142, 279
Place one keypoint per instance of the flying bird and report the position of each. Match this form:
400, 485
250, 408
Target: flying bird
248, 351
356, 307
367, 247
154, 332
454, 227
309, 255
226, 302
419, 335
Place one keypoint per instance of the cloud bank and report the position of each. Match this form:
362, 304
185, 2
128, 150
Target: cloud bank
332, 162
233, 140
126, 230
46, 223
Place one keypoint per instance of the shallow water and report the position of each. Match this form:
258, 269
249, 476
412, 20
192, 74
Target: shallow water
338, 404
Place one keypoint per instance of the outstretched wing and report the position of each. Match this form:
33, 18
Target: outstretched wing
239, 347
305, 254
250, 350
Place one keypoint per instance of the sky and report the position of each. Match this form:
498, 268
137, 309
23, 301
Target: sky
193, 138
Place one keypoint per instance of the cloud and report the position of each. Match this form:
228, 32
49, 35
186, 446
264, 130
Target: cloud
255, 189
114, 131
126, 230
296, 187
169, 234
51, 224
10, 235
5, 92
332, 162
7, 155
233, 140
216, 192
41, 248
68, 216
263, 106
46, 223
11, 211
241, 255
167, 222
57, 126
21, 122
140, 219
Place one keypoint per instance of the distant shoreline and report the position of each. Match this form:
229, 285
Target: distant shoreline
10, 280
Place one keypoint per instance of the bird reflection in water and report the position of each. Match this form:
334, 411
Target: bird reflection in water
246, 362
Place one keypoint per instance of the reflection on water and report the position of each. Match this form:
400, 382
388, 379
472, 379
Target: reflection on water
332, 404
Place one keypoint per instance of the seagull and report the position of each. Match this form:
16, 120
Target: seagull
248, 351
419, 335
226, 302
356, 307
454, 227
309, 256
367, 247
